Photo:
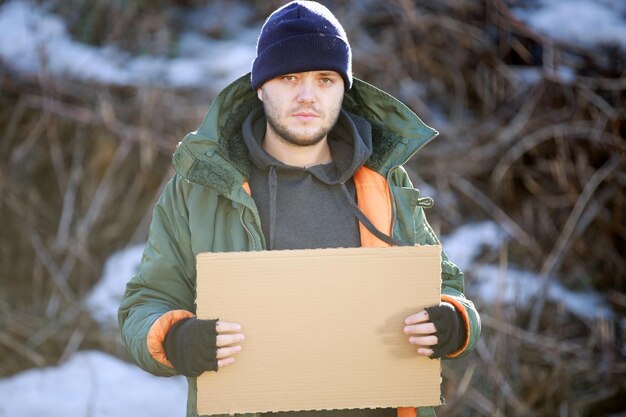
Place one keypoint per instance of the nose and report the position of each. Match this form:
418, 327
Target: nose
307, 92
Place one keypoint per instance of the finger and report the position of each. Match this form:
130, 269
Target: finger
229, 339
224, 362
416, 318
423, 328
425, 352
227, 327
228, 351
423, 340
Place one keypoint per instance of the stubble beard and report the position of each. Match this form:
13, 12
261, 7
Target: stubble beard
299, 138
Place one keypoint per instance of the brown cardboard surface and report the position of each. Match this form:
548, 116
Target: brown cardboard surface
323, 327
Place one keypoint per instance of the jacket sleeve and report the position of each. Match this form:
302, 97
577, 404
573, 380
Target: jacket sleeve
452, 279
163, 289
452, 286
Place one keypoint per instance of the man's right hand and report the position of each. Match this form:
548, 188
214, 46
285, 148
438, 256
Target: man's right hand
194, 346
229, 338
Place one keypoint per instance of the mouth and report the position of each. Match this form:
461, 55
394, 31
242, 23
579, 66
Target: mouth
306, 115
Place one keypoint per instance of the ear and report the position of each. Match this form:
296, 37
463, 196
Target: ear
259, 93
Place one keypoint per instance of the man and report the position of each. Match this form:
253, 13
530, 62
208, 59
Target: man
296, 155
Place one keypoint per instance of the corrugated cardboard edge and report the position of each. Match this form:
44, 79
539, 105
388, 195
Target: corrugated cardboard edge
425, 251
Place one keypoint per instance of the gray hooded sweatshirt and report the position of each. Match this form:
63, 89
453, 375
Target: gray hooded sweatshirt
308, 208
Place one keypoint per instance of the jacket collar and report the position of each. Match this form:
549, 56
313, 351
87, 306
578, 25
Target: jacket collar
215, 154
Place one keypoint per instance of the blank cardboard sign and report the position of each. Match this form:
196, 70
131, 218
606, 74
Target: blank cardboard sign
323, 327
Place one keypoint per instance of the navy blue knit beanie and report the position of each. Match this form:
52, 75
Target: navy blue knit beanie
301, 36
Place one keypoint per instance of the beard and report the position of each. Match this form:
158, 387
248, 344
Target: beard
300, 136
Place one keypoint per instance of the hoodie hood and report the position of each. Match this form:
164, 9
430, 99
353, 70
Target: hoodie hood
350, 143
216, 155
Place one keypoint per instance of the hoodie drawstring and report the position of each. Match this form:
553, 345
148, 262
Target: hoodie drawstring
390, 240
273, 190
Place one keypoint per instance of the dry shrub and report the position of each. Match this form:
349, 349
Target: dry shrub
81, 168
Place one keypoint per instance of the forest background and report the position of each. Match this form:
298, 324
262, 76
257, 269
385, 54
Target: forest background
532, 125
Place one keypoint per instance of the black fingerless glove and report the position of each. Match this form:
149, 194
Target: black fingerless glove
450, 329
191, 346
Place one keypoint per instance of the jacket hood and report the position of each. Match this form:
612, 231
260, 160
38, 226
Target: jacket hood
215, 154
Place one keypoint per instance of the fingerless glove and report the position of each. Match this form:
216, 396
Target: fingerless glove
191, 346
450, 329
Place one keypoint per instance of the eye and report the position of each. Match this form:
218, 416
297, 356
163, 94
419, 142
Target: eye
327, 80
289, 77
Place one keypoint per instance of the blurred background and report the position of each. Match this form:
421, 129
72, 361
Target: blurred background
528, 178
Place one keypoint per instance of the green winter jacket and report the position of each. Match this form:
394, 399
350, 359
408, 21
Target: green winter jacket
207, 207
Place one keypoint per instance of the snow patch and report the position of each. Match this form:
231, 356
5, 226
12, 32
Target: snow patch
511, 286
587, 23
104, 299
33, 40
92, 384
467, 242
491, 284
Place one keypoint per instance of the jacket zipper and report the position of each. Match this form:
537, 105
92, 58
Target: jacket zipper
252, 240
394, 207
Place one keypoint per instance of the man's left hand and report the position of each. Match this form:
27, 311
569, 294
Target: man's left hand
437, 330
422, 332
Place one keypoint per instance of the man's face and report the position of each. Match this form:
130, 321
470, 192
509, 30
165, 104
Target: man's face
301, 108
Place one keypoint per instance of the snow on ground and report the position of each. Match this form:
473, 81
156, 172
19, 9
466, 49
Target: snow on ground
468, 241
105, 296
491, 284
33, 40
513, 287
92, 384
